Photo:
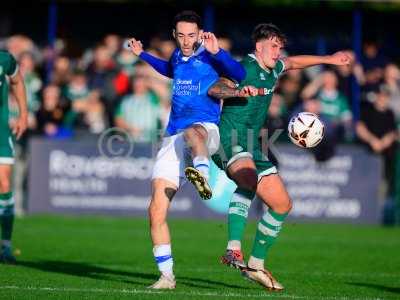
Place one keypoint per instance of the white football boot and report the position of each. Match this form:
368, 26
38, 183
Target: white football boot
264, 278
164, 282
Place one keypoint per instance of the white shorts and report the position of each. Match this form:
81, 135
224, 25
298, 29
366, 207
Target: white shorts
174, 155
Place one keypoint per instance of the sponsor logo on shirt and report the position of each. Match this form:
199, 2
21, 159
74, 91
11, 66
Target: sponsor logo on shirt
269, 91
262, 76
183, 87
181, 81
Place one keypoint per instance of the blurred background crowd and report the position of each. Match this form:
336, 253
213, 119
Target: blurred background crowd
108, 86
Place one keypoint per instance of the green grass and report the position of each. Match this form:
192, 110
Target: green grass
110, 258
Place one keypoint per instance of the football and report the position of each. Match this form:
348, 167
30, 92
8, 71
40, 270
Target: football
306, 130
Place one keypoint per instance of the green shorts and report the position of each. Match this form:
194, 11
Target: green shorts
6, 147
238, 141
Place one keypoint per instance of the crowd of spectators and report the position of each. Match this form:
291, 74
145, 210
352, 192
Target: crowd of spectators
103, 87
107, 86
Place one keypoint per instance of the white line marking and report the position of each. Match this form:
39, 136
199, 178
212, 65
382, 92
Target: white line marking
223, 270
191, 294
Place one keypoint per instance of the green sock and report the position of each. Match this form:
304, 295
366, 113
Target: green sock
237, 216
6, 215
267, 231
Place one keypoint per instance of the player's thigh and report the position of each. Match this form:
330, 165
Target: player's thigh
162, 193
271, 190
243, 172
170, 161
210, 133
199, 130
194, 135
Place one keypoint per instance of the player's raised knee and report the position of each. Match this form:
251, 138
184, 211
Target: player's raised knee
195, 133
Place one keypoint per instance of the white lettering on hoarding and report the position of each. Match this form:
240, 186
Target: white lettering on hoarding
77, 166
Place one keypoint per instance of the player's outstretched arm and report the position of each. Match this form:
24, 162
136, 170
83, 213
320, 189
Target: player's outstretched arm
340, 58
18, 90
224, 89
161, 66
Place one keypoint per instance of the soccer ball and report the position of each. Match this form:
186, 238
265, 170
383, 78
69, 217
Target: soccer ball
306, 130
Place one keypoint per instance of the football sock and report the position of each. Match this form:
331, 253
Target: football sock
237, 217
234, 245
202, 164
267, 231
163, 257
255, 263
6, 217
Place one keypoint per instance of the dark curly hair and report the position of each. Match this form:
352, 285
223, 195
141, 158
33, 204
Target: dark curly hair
266, 31
188, 16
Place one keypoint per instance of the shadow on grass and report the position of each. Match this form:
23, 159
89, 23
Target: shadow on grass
379, 287
81, 269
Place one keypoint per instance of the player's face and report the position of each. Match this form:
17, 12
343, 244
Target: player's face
186, 35
269, 51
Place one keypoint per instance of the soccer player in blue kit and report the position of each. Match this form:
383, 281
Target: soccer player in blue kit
192, 134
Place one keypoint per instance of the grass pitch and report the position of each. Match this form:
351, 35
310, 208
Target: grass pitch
65, 257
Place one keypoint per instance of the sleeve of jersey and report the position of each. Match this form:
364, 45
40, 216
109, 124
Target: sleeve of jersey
12, 67
161, 66
227, 66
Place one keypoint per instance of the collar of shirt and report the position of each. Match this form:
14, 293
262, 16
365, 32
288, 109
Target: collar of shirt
187, 58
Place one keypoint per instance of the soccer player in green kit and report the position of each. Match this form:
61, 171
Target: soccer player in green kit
9, 70
240, 125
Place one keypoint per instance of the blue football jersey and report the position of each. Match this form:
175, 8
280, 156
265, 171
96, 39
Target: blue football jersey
192, 77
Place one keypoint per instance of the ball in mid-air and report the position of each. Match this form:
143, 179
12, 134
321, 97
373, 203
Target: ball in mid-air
306, 130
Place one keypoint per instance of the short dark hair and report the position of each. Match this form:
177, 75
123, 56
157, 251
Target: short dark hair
188, 16
267, 31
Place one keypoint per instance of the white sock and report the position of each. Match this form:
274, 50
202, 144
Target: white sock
256, 263
202, 164
234, 245
163, 257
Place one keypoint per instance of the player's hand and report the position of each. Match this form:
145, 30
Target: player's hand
210, 42
340, 58
248, 91
135, 46
20, 126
